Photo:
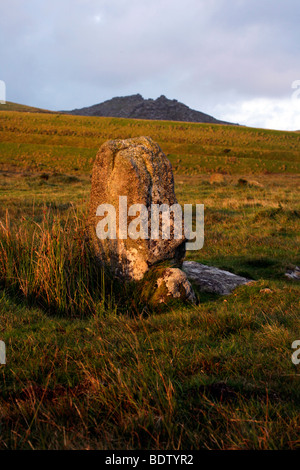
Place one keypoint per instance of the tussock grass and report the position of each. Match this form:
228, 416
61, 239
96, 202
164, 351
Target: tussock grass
51, 262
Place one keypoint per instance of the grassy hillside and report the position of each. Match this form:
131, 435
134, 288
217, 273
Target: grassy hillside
88, 365
68, 143
10, 106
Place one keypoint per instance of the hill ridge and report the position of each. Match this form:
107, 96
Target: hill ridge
136, 107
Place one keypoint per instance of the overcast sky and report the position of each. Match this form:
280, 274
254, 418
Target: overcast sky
234, 59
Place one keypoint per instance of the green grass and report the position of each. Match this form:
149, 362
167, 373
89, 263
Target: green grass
88, 365
45, 142
10, 106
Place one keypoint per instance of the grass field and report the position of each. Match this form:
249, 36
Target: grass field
88, 365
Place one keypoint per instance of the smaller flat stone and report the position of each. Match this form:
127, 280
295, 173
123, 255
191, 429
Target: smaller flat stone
294, 274
211, 279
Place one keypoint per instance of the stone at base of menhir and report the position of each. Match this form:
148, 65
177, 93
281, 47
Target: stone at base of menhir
211, 279
293, 274
162, 285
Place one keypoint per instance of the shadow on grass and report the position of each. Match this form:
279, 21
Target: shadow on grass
255, 268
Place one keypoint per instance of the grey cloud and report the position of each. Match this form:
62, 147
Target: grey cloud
63, 54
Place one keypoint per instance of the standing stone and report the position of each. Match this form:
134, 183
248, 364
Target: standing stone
138, 169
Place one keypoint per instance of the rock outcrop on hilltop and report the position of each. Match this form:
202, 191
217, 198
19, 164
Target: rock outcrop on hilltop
136, 107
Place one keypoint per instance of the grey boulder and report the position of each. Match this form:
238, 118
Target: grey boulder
211, 279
